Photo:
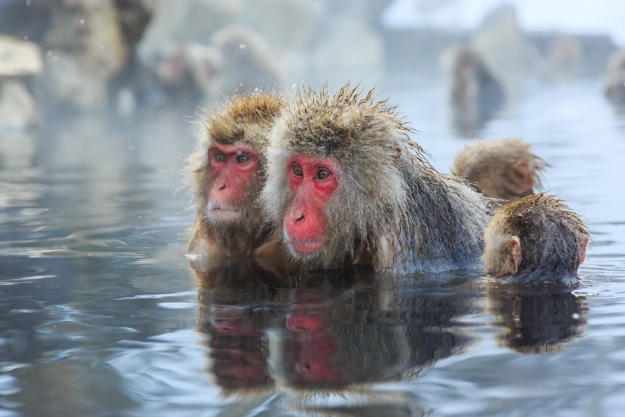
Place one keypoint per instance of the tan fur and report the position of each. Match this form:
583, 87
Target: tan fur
406, 215
552, 241
245, 118
506, 169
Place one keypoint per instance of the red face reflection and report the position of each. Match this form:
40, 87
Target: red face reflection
312, 182
232, 168
313, 346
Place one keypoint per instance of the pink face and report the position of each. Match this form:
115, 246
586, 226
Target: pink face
231, 168
312, 182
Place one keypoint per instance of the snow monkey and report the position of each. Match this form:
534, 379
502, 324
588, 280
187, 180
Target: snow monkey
226, 176
505, 169
536, 239
345, 184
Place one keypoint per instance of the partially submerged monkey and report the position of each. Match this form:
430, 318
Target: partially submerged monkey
226, 175
506, 169
537, 239
345, 184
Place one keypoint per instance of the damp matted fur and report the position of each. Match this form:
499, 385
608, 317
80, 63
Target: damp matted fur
404, 214
490, 163
552, 240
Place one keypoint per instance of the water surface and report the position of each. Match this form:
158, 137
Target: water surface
101, 314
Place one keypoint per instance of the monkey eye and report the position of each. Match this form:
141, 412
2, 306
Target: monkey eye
242, 159
297, 170
219, 157
323, 174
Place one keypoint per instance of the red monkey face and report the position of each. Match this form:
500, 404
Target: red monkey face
232, 168
312, 182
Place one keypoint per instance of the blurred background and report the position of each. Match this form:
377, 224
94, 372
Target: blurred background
68, 56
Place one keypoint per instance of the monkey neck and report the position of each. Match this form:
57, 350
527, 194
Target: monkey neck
441, 227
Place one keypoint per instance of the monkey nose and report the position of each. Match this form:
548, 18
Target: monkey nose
296, 215
221, 187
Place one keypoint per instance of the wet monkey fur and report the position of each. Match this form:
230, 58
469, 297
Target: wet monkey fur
345, 184
226, 174
537, 239
506, 169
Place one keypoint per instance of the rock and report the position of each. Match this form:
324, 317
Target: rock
20, 69
85, 49
501, 42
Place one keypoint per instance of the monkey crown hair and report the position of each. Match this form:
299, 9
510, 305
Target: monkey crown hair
245, 117
551, 234
341, 124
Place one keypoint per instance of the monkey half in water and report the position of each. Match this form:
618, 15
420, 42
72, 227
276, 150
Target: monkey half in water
227, 172
506, 169
537, 239
346, 184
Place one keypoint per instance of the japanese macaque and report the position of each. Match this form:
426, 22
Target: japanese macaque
346, 185
537, 239
226, 175
506, 169
475, 92
615, 79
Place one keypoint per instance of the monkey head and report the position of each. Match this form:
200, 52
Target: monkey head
333, 174
504, 169
227, 168
535, 239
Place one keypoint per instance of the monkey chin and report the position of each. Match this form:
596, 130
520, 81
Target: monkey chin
306, 248
220, 213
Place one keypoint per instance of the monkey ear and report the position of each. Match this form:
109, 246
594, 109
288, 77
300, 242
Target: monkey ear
582, 255
521, 176
395, 152
515, 255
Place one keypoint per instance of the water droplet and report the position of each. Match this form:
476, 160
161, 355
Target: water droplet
293, 86
575, 316
82, 21
242, 46
28, 2
256, 89
49, 53
25, 37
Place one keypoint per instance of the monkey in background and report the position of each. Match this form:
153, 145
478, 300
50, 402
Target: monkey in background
537, 239
475, 92
615, 79
346, 185
226, 174
506, 169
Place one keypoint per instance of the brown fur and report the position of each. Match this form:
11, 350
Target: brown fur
552, 241
245, 118
506, 169
405, 215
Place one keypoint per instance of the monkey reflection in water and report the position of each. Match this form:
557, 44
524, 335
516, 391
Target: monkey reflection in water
506, 169
327, 333
536, 321
476, 94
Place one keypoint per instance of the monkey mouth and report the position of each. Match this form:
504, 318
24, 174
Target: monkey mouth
305, 247
220, 212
